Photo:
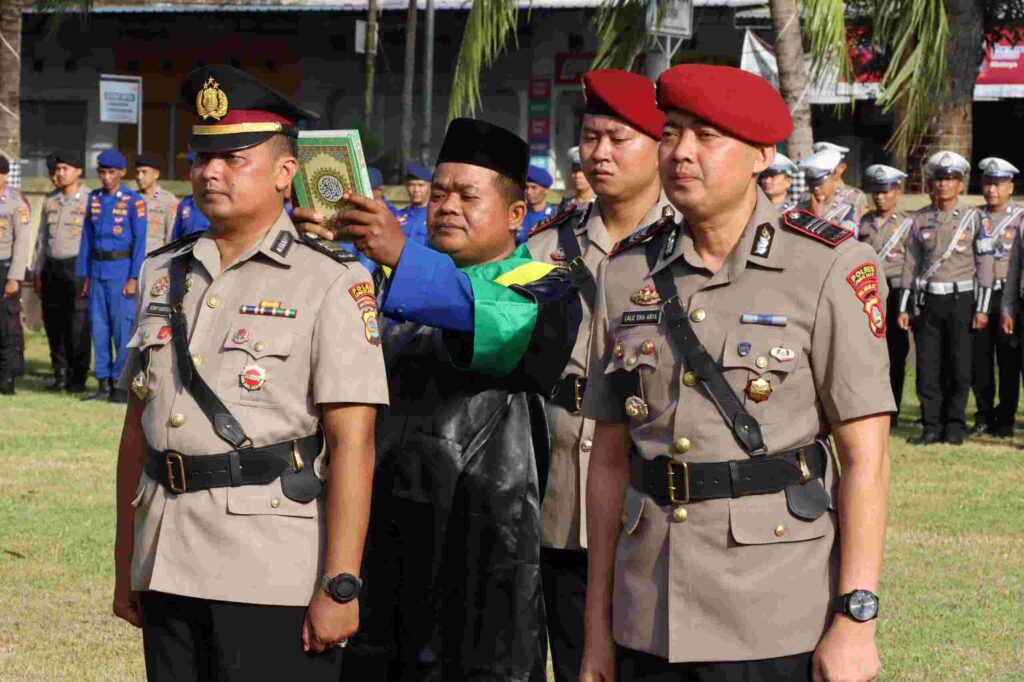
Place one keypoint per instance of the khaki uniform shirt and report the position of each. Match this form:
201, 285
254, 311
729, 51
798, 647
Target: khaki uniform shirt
564, 508
742, 578
841, 211
15, 237
854, 197
60, 225
161, 206
878, 234
248, 544
1005, 225
931, 236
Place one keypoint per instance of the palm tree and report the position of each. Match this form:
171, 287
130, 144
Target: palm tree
408, 78
10, 79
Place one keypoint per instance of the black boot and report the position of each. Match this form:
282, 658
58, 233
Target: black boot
119, 396
103, 393
979, 428
954, 435
60, 381
6, 385
929, 436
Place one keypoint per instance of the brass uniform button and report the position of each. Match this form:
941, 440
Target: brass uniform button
631, 360
698, 315
586, 445
690, 379
780, 530
275, 503
197, 359
177, 420
761, 361
682, 445
679, 514
213, 301
258, 346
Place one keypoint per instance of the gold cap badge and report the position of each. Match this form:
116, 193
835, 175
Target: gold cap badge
211, 102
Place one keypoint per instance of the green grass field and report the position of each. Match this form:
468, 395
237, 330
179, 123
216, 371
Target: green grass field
952, 593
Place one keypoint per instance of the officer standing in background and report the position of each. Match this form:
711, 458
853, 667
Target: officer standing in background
413, 218
844, 192
825, 200
109, 259
538, 181
15, 252
776, 179
991, 345
886, 230
264, 348
619, 153
583, 193
65, 313
947, 286
712, 536
161, 205
188, 218
377, 185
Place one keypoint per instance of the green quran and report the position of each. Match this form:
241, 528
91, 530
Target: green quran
331, 164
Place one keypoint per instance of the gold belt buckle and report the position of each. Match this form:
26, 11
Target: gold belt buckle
805, 471
579, 395
176, 458
672, 483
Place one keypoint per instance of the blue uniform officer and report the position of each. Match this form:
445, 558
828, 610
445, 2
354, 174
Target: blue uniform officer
377, 185
413, 218
538, 181
109, 259
188, 219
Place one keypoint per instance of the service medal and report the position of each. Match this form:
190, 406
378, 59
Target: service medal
636, 408
252, 377
759, 390
163, 334
241, 336
646, 296
782, 354
140, 386
160, 286
647, 347
618, 351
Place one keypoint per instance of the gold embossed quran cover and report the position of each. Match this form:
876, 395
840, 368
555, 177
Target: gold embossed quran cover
331, 163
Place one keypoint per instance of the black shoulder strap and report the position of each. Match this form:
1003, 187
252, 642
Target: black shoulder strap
176, 244
224, 423
744, 427
328, 248
571, 246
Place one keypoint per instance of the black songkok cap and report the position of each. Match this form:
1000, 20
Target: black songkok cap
147, 160
51, 163
70, 158
479, 143
237, 110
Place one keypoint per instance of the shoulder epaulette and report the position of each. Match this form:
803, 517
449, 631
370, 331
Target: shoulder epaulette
187, 240
328, 248
642, 235
806, 223
553, 221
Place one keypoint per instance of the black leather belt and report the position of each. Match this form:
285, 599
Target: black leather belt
568, 393
667, 481
181, 473
111, 255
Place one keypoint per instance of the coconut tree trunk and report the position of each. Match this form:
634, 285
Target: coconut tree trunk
371, 61
10, 80
407, 83
789, 53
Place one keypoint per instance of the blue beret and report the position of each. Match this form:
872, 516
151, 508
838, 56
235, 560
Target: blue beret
376, 177
540, 176
417, 171
111, 158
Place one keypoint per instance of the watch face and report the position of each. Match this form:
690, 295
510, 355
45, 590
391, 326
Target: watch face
863, 605
344, 588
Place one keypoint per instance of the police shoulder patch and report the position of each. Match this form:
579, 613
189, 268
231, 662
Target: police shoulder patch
553, 221
177, 245
806, 223
328, 248
642, 235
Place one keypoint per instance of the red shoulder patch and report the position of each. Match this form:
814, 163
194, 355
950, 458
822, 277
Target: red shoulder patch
864, 280
806, 223
140, 208
554, 220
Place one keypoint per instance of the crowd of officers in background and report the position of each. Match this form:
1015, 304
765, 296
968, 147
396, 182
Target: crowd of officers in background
954, 275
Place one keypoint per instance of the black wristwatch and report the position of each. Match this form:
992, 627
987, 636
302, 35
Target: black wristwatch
861, 605
343, 587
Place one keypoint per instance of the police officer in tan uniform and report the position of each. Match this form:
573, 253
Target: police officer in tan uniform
776, 179
992, 345
65, 313
247, 454
947, 287
15, 252
886, 230
619, 155
824, 198
844, 192
713, 494
161, 205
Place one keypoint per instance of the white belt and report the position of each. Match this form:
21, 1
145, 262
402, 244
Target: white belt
895, 282
999, 284
945, 288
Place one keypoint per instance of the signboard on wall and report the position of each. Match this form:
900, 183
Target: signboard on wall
120, 99
539, 122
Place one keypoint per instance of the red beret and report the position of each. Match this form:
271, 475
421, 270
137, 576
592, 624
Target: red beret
732, 99
624, 95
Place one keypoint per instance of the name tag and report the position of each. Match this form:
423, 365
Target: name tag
159, 309
631, 318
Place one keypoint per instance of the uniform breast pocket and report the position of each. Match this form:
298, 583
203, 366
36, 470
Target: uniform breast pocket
637, 364
152, 339
760, 363
269, 499
765, 519
253, 369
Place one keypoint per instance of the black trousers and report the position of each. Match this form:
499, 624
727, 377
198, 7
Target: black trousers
187, 639
898, 342
992, 347
12, 335
635, 665
66, 320
943, 340
564, 575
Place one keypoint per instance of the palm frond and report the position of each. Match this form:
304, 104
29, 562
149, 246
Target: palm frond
824, 28
621, 31
489, 27
917, 32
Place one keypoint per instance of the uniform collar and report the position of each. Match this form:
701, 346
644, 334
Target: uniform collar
765, 212
206, 252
